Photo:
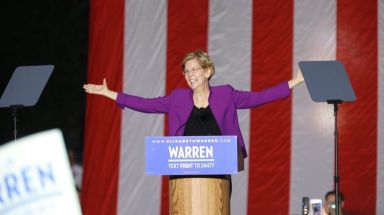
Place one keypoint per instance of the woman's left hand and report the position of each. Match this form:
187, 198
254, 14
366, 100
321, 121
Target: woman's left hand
297, 80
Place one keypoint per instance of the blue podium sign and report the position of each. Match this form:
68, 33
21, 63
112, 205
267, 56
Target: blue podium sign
191, 155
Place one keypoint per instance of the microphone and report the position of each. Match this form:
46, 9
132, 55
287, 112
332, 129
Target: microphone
203, 114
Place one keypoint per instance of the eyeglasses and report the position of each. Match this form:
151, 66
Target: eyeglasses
191, 71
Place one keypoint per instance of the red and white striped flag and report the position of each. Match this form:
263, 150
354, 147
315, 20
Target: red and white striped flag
138, 46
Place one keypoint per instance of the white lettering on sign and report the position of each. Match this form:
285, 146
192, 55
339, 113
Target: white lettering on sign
188, 152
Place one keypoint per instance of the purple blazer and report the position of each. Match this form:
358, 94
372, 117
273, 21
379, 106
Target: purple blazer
223, 100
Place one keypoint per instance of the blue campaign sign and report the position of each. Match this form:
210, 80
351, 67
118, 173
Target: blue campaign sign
191, 155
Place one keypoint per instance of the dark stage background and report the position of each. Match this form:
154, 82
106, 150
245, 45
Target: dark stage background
46, 32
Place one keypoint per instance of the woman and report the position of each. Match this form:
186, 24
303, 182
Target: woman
202, 109
198, 69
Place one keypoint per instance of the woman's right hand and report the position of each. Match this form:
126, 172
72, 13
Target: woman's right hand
100, 90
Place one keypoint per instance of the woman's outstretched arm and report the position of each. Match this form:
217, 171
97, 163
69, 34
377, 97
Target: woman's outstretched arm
100, 90
296, 81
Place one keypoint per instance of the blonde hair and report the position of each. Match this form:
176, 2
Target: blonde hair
204, 60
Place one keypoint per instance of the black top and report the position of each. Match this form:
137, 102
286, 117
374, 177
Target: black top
201, 122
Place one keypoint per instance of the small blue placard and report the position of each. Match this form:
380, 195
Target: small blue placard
191, 155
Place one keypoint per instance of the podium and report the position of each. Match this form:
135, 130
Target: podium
199, 168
